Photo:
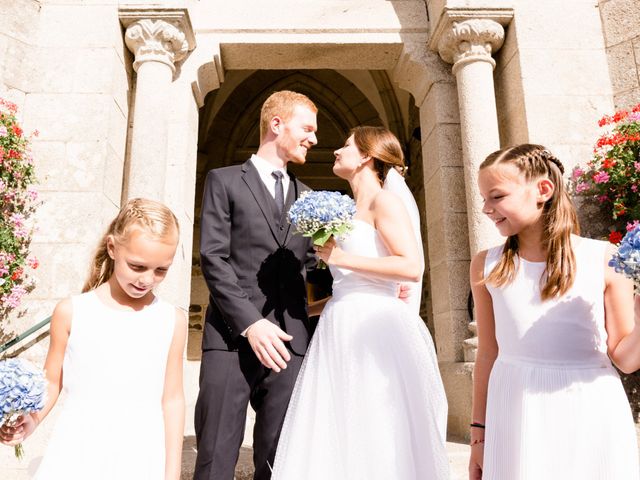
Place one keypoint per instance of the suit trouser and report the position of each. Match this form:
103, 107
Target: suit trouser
228, 382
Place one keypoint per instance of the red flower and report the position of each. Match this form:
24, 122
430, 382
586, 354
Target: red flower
18, 272
615, 237
16, 130
608, 163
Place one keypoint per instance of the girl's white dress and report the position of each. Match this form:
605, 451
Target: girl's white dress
369, 402
556, 409
111, 426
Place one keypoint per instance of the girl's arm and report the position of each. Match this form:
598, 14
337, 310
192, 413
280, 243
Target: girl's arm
394, 226
623, 333
58, 337
485, 357
173, 399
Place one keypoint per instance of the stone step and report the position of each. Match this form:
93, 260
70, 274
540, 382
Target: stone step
458, 460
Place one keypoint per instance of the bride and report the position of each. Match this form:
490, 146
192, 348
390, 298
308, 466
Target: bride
369, 402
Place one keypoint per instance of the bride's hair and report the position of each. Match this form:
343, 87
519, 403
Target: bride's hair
381, 145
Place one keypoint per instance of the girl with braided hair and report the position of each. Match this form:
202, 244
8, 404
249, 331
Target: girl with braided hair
552, 317
116, 351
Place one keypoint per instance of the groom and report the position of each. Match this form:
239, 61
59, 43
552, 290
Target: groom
257, 329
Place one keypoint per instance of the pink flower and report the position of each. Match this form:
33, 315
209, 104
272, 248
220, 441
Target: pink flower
632, 225
32, 194
13, 299
3, 131
634, 116
17, 219
3, 185
577, 173
634, 188
603, 198
20, 232
637, 166
582, 187
33, 262
601, 177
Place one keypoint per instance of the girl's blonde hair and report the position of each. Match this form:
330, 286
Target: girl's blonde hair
152, 217
559, 217
381, 145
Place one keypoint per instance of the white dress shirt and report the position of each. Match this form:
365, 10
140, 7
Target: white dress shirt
265, 169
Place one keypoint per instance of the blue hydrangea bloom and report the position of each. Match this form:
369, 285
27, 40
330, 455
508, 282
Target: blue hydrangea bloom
627, 259
22, 391
320, 214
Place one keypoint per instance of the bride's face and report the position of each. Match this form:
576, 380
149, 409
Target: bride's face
348, 159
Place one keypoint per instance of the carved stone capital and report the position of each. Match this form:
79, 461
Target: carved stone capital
157, 35
471, 40
155, 41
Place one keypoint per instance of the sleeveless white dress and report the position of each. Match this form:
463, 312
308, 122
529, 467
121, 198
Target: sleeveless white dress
111, 426
369, 401
556, 408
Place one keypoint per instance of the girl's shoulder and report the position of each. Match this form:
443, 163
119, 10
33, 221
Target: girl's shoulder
590, 247
491, 254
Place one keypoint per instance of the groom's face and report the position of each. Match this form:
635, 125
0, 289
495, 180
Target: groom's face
297, 135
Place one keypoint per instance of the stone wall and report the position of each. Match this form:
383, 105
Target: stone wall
551, 79
621, 25
65, 65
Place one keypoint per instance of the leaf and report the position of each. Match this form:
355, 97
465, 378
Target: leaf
321, 237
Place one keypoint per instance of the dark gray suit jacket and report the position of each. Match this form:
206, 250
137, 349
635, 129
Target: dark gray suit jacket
253, 264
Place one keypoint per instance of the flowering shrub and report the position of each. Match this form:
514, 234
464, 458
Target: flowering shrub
18, 202
612, 177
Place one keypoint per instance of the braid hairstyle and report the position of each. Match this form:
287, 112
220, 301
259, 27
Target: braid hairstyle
559, 217
154, 218
382, 146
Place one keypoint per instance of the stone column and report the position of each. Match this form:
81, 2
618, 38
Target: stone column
158, 38
468, 45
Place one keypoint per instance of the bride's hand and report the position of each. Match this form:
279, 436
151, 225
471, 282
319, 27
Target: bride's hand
329, 253
15, 433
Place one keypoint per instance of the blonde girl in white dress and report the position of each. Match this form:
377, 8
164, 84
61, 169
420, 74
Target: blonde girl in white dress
116, 351
552, 316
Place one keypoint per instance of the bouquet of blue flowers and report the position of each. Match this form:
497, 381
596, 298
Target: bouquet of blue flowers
22, 391
321, 214
627, 259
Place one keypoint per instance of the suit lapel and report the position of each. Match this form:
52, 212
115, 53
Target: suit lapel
261, 195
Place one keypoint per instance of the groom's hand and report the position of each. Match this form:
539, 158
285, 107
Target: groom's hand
267, 341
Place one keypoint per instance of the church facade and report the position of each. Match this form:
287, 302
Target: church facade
142, 98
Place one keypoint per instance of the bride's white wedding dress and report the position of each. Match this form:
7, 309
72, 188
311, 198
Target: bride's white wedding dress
369, 401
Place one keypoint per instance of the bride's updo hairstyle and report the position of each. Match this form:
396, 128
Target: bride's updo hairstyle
381, 145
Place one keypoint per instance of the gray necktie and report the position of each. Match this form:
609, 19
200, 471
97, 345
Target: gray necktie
279, 191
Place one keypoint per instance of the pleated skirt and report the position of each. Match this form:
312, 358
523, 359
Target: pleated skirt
558, 422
